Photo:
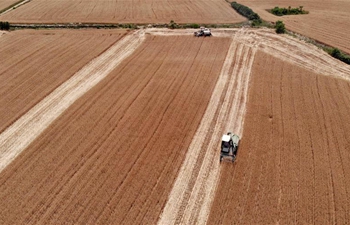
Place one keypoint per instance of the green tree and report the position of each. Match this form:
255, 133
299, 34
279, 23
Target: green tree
172, 24
336, 53
280, 28
4, 25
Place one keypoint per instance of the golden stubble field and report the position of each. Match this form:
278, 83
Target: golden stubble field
131, 134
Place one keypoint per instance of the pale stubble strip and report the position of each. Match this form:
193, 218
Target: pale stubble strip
21, 133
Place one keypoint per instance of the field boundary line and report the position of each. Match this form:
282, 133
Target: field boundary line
15, 138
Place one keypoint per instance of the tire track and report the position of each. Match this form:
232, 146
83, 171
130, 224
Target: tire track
190, 202
21, 133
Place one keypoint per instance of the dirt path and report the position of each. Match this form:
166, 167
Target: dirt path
193, 191
21, 133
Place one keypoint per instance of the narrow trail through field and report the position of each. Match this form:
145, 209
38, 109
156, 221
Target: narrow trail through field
21, 133
192, 194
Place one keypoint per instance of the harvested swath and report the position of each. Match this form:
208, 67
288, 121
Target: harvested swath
114, 155
293, 162
120, 11
34, 63
327, 22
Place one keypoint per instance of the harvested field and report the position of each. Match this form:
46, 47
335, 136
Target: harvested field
293, 163
111, 11
134, 135
327, 22
114, 155
34, 63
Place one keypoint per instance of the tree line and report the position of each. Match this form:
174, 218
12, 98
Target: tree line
336, 53
288, 11
247, 12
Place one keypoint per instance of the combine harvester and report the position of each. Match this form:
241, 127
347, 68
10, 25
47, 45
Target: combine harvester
203, 32
229, 146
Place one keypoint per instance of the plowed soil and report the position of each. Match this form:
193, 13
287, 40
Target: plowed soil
293, 162
34, 63
114, 155
129, 11
327, 22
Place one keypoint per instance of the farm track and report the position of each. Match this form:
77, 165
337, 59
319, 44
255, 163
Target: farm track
15, 138
101, 11
113, 156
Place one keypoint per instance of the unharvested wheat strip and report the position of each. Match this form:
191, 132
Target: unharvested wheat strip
176, 196
21, 133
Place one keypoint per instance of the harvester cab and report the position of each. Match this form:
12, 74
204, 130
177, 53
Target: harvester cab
229, 146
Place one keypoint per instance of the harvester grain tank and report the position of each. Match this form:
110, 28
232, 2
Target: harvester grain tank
229, 146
